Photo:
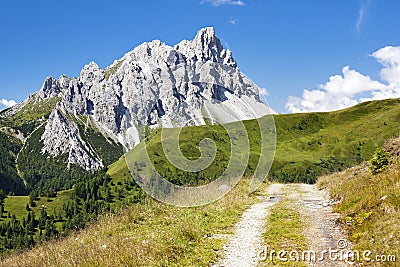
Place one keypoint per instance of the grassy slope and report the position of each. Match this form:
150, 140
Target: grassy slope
150, 234
369, 207
334, 139
30, 116
304, 141
308, 145
118, 170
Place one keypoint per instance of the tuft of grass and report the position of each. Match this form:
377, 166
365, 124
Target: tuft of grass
284, 231
146, 234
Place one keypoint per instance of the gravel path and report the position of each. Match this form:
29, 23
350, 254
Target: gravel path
243, 247
321, 230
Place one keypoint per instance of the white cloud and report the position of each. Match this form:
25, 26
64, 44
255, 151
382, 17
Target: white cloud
344, 90
361, 15
317, 100
7, 103
360, 19
350, 84
232, 21
389, 57
223, 2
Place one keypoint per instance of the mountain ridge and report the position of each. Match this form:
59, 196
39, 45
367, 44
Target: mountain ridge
154, 85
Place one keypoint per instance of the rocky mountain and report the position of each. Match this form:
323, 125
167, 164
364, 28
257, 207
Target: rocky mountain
154, 85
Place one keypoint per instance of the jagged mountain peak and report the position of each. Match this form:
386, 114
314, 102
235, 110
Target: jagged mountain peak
207, 40
206, 46
154, 85
50, 88
91, 73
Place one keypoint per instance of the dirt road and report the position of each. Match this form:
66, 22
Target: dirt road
320, 229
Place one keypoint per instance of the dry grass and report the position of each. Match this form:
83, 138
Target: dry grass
147, 234
369, 206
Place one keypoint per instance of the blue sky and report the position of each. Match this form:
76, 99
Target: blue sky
298, 50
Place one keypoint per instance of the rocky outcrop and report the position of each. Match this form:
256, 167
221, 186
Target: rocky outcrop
52, 87
61, 136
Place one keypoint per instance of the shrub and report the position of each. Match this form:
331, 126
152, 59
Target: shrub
380, 161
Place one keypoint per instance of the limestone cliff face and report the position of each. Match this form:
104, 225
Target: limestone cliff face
61, 136
154, 85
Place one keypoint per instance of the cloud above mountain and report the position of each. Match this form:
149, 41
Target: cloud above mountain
352, 87
389, 57
4, 103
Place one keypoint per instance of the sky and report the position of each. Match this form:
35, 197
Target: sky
305, 55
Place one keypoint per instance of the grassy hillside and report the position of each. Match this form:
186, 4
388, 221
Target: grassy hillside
308, 144
31, 115
369, 205
312, 144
